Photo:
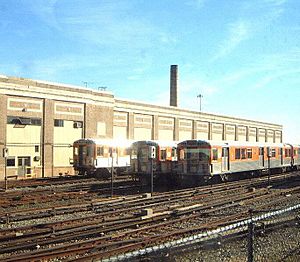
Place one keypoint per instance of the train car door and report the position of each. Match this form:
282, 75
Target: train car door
81, 155
281, 156
261, 157
225, 159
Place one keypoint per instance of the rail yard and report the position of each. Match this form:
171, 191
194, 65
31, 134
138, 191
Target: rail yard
85, 176
67, 218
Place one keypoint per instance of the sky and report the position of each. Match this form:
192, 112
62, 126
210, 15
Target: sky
242, 56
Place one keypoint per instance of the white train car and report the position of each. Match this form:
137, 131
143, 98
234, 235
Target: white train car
99, 156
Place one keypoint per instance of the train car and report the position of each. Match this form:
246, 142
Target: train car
296, 156
98, 156
159, 155
200, 161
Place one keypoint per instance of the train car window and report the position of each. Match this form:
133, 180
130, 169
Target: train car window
181, 154
295, 152
174, 152
76, 151
224, 152
215, 154
243, 153
287, 152
249, 152
133, 153
100, 151
273, 152
237, 153
89, 151
163, 154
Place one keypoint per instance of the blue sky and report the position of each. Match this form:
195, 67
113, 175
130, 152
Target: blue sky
242, 56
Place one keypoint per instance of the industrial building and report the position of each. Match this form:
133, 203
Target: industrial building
40, 121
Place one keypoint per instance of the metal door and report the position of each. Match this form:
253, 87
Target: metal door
23, 165
81, 155
281, 156
225, 159
261, 157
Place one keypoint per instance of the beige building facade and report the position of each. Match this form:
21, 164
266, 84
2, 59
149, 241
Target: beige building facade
40, 121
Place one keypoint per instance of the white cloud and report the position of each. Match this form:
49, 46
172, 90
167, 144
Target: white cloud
246, 26
237, 32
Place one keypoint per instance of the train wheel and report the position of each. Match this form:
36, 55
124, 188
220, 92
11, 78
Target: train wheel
102, 174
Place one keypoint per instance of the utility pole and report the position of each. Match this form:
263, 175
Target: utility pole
112, 174
200, 97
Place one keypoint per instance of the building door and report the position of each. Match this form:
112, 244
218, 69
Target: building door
261, 157
23, 165
225, 159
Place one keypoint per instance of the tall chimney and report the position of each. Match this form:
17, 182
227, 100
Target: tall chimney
173, 85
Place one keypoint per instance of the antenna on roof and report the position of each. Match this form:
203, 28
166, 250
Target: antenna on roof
102, 88
87, 83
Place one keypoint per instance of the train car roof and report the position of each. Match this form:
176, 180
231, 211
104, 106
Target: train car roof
162, 143
106, 142
234, 143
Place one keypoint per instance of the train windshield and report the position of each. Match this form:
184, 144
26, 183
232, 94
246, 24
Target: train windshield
133, 152
201, 154
76, 151
90, 150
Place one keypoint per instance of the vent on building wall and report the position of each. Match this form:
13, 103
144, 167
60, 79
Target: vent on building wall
77, 125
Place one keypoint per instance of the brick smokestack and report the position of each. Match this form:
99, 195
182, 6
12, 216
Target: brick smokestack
173, 85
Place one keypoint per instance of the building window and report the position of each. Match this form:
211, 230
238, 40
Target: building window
58, 122
36, 121
11, 161
16, 120
24, 161
36, 149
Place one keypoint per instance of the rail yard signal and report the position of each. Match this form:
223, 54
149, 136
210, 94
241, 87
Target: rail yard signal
152, 154
5, 155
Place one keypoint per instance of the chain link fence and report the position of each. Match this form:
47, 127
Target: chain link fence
268, 235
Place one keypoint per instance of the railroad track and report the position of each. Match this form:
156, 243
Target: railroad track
78, 191
92, 202
104, 231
